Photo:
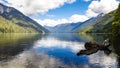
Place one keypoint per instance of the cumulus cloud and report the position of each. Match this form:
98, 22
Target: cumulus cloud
73, 19
78, 18
101, 6
32, 7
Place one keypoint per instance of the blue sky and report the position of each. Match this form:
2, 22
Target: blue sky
54, 12
78, 7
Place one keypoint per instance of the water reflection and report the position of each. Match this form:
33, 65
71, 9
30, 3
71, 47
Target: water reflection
13, 44
68, 37
55, 43
59, 51
31, 59
65, 50
116, 45
103, 60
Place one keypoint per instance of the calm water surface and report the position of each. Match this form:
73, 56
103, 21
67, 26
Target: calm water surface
52, 51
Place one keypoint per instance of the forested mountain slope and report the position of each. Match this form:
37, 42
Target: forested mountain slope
13, 21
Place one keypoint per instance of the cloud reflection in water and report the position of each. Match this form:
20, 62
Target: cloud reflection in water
103, 60
52, 42
31, 59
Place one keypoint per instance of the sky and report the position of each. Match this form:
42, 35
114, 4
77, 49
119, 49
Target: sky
54, 12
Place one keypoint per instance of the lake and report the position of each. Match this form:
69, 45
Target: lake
53, 51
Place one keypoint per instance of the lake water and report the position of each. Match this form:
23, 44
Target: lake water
52, 51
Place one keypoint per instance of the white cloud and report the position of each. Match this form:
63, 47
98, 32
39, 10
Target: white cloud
31, 7
90, 13
50, 22
47, 22
87, 0
101, 6
78, 18
48, 15
73, 19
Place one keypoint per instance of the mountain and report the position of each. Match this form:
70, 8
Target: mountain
99, 24
102, 25
62, 28
13, 21
89, 23
73, 27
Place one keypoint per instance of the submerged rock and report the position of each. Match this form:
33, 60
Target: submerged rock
92, 47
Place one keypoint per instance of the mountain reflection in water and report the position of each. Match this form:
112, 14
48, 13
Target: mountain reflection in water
56, 52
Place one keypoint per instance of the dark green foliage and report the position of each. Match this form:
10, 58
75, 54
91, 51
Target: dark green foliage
107, 28
116, 31
116, 23
117, 14
116, 28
